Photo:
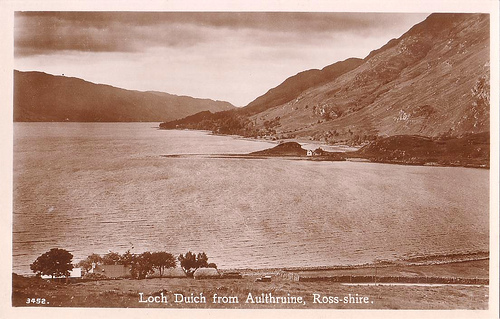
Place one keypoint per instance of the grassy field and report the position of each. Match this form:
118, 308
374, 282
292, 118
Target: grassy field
234, 293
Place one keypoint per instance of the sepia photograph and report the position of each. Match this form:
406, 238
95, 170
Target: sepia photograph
254, 160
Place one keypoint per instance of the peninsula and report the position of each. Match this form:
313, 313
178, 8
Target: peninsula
471, 150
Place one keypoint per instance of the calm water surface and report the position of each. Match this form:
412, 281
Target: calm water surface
94, 187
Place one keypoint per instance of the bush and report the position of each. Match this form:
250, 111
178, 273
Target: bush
95, 276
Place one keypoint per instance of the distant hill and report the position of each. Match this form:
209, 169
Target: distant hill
41, 97
433, 81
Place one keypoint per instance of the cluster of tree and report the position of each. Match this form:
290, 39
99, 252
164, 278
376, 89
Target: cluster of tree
327, 112
272, 123
225, 122
345, 136
190, 262
58, 262
141, 264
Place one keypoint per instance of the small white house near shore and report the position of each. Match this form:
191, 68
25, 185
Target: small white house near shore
75, 273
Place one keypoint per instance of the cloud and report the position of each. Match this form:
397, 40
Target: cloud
46, 34
226, 56
49, 32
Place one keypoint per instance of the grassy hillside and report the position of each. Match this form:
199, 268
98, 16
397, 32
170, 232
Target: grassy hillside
292, 87
44, 97
432, 81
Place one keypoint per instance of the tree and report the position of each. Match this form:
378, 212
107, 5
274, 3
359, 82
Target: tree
162, 260
111, 258
127, 258
142, 265
86, 264
56, 262
190, 262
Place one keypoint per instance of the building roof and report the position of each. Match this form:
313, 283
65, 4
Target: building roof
206, 273
113, 271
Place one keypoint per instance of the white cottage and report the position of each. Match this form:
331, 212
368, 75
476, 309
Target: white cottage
74, 273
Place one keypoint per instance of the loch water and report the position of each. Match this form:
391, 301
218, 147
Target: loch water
99, 187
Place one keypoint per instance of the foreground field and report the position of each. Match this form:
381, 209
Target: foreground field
247, 293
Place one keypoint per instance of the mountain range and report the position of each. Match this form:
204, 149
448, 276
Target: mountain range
432, 81
41, 97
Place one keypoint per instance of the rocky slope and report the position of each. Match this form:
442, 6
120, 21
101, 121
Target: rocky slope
291, 88
432, 81
44, 97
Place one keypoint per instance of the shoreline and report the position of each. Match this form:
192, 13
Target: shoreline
409, 261
341, 152
321, 159
415, 261
302, 141
456, 285
431, 260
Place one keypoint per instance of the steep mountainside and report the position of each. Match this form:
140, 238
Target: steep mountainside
432, 81
43, 97
293, 86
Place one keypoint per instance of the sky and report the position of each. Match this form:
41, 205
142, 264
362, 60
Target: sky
229, 56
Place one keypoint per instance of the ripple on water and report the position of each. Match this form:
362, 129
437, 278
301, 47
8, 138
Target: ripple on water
90, 194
